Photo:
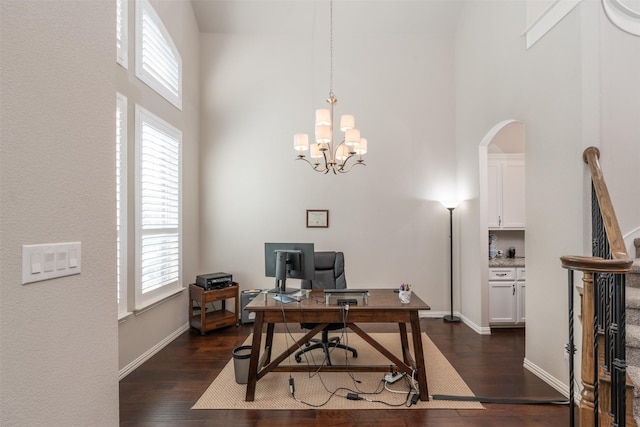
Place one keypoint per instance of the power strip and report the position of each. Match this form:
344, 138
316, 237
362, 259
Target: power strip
393, 377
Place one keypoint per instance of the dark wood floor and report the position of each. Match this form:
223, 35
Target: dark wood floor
162, 390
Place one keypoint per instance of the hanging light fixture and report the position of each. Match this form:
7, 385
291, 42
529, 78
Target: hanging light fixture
326, 155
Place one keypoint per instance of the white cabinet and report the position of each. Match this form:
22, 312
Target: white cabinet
506, 198
506, 296
520, 295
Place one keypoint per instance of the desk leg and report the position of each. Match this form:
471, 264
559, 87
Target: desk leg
268, 344
405, 342
255, 355
416, 335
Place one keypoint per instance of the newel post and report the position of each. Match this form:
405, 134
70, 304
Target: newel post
589, 353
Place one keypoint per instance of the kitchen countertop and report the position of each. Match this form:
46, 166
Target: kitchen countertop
506, 262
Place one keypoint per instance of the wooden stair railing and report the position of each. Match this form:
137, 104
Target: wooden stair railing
603, 309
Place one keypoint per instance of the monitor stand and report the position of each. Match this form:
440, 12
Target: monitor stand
280, 285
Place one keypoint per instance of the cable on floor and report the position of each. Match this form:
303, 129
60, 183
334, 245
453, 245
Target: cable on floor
500, 400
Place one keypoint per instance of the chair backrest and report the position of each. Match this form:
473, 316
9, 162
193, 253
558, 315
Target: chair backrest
329, 267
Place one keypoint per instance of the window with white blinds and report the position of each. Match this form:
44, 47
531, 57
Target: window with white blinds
158, 208
158, 62
121, 202
122, 32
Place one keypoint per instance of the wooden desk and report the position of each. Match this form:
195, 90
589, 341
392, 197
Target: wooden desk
383, 306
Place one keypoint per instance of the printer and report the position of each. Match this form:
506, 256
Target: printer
214, 281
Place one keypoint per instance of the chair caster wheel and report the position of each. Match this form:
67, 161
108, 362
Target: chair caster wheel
355, 354
298, 359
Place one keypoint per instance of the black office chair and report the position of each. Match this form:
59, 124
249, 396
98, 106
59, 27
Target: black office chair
329, 272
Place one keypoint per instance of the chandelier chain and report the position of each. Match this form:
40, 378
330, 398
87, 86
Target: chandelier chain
331, 48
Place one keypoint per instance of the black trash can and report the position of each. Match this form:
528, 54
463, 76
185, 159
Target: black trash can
241, 360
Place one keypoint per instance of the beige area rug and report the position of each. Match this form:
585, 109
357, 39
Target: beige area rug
272, 391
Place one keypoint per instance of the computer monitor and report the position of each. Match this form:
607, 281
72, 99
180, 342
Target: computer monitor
288, 260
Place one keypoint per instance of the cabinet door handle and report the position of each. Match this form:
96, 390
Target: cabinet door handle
514, 288
499, 221
501, 274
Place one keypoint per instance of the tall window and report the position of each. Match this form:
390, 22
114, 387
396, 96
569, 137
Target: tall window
156, 266
158, 208
121, 202
122, 32
158, 62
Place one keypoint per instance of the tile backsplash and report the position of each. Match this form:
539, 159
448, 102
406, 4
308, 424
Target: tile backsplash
508, 238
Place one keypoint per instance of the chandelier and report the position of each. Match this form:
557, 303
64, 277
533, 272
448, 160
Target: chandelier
326, 155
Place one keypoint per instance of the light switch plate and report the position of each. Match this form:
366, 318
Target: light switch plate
51, 260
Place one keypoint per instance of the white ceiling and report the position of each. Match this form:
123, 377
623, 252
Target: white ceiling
299, 16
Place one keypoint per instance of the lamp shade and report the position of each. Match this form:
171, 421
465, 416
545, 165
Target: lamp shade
316, 153
347, 121
342, 153
352, 137
450, 204
323, 117
301, 141
361, 149
323, 133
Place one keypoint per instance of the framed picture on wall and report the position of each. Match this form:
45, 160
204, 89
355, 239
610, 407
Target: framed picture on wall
317, 218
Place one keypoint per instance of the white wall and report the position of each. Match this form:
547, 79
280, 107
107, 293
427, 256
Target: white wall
554, 88
620, 144
489, 55
258, 90
498, 80
59, 337
143, 333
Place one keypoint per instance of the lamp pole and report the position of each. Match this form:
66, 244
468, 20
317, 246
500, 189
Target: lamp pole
451, 318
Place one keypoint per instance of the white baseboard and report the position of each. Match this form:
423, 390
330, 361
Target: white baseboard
561, 387
153, 350
430, 314
536, 370
439, 314
482, 330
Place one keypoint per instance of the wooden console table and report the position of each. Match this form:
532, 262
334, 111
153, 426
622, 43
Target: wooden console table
204, 321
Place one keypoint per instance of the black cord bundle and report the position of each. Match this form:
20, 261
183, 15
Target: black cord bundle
345, 392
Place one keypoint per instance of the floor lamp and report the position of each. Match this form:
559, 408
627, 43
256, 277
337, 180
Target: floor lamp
450, 318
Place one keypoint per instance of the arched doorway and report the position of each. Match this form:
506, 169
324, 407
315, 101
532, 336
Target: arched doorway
505, 137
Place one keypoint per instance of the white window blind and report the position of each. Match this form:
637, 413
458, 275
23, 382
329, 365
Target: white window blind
121, 202
158, 62
122, 32
158, 195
